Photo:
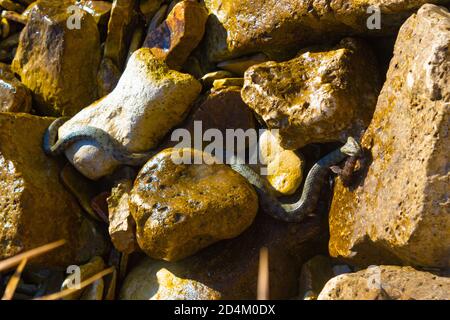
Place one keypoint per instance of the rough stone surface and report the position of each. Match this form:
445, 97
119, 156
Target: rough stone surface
120, 28
57, 64
100, 10
148, 101
228, 82
240, 65
277, 27
219, 110
179, 34
398, 207
319, 96
387, 283
284, 167
35, 209
150, 280
14, 96
229, 269
315, 274
87, 270
182, 208
209, 78
121, 223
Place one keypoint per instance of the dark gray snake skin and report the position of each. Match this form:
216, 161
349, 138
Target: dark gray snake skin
54, 147
297, 211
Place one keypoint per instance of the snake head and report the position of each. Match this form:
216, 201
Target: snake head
351, 148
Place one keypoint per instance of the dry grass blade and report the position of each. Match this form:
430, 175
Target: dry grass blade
263, 275
85, 283
13, 261
14, 281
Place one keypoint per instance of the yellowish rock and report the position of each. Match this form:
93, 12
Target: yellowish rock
181, 208
322, 95
398, 210
281, 27
387, 283
14, 96
227, 82
149, 275
85, 271
240, 65
209, 78
35, 208
181, 32
120, 30
121, 223
59, 65
284, 167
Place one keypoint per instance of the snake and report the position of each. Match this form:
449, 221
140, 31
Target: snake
289, 212
316, 178
54, 146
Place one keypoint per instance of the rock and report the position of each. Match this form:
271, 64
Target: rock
397, 210
181, 32
229, 268
239, 66
209, 78
284, 167
100, 10
85, 271
228, 82
151, 275
120, 30
156, 99
57, 64
149, 8
121, 224
83, 189
94, 291
35, 208
387, 283
319, 96
107, 77
314, 275
14, 96
219, 110
182, 208
281, 27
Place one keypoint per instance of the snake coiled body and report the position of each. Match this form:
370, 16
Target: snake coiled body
296, 212
53, 146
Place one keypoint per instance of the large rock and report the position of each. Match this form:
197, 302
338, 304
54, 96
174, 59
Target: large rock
35, 209
319, 96
147, 102
229, 269
387, 283
14, 96
180, 208
398, 208
236, 28
182, 31
58, 64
